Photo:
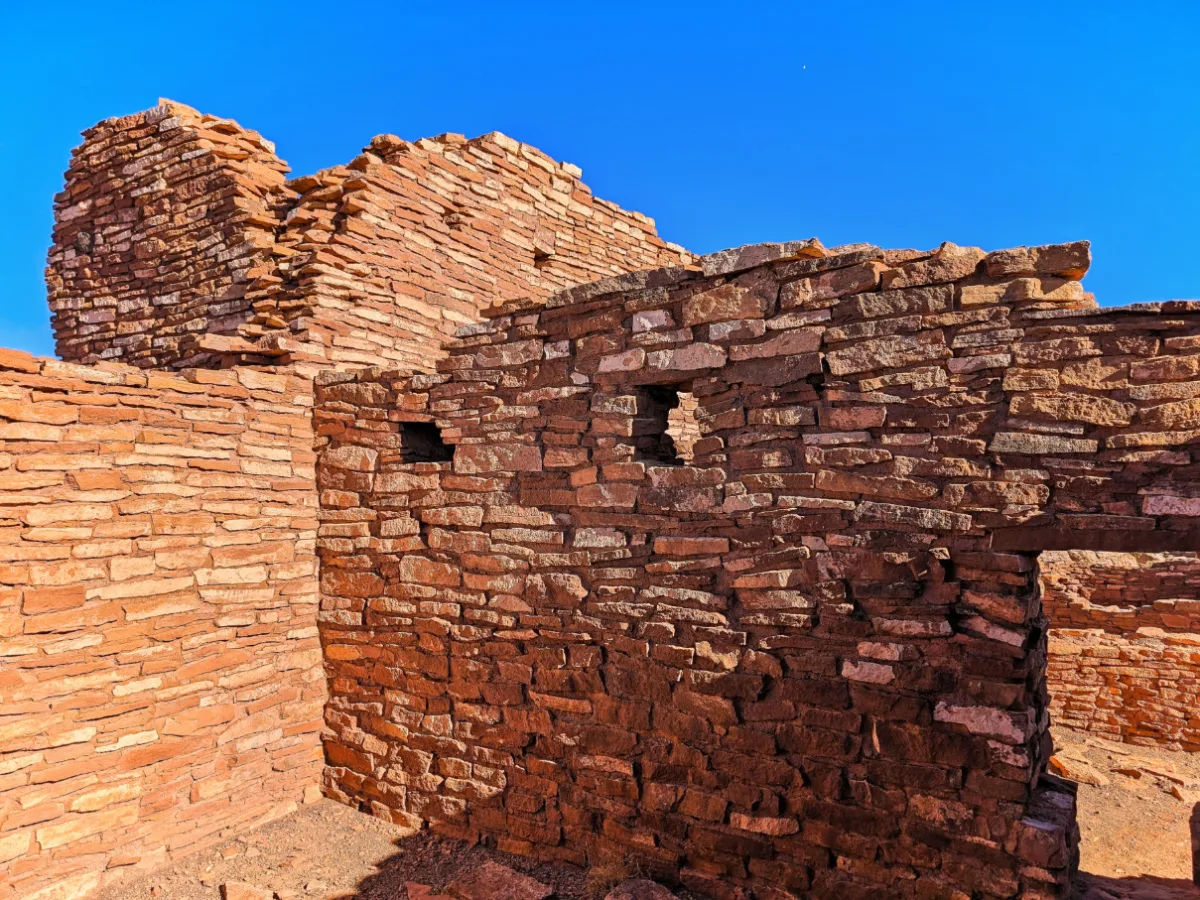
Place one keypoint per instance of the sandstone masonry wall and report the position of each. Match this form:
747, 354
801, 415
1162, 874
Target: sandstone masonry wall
158, 587
165, 217
178, 244
811, 661
729, 570
382, 260
1125, 644
161, 684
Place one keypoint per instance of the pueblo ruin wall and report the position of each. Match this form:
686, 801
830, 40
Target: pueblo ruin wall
178, 242
160, 671
727, 568
162, 683
1125, 645
809, 659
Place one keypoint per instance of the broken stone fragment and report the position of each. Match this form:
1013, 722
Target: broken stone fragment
492, 881
1077, 770
639, 889
239, 890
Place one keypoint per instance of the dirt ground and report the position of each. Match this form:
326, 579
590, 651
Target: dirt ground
327, 851
1135, 807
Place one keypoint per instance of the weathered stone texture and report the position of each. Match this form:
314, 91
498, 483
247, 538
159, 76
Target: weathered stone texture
161, 680
179, 243
726, 572
1124, 647
166, 217
811, 660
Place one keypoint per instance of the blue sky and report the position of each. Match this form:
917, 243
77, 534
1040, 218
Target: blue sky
904, 124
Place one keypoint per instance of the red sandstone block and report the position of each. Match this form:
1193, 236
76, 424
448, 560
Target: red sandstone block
17, 361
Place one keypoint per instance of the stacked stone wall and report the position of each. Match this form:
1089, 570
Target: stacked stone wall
158, 591
728, 571
160, 671
165, 218
810, 661
177, 243
381, 261
1125, 644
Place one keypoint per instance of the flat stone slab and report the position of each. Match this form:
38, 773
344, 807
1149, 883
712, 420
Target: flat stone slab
492, 881
640, 889
238, 890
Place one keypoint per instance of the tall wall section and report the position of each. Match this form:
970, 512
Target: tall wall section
1125, 644
165, 218
161, 683
382, 260
177, 243
811, 661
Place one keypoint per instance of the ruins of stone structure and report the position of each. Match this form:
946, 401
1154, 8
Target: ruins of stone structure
162, 684
1125, 649
161, 681
177, 241
728, 566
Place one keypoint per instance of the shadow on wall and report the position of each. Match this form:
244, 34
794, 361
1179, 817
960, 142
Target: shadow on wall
426, 860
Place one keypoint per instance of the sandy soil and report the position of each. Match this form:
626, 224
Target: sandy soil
1135, 807
327, 851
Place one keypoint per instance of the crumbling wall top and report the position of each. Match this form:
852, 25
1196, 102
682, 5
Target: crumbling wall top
179, 243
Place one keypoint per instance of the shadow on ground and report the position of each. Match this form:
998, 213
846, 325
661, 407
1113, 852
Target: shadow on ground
428, 860
1136, 887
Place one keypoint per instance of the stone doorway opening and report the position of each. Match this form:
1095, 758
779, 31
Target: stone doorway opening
1123, 678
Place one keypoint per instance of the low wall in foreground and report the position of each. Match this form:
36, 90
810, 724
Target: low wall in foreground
160, 672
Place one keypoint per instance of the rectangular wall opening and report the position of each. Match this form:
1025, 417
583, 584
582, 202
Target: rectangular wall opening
666, 428
422, 442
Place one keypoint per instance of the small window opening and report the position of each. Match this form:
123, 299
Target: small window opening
422, 442
455, 215
543, 247
666, 427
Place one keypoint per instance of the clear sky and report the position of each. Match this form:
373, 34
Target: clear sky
905, 124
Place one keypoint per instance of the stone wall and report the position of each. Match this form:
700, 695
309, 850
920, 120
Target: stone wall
165, 218
727, 571
1125, 644
383, 259
161, 683
158, 589
811, 660
178, 243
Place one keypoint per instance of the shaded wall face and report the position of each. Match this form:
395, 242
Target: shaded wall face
1123, 641
802, 661
161, 677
